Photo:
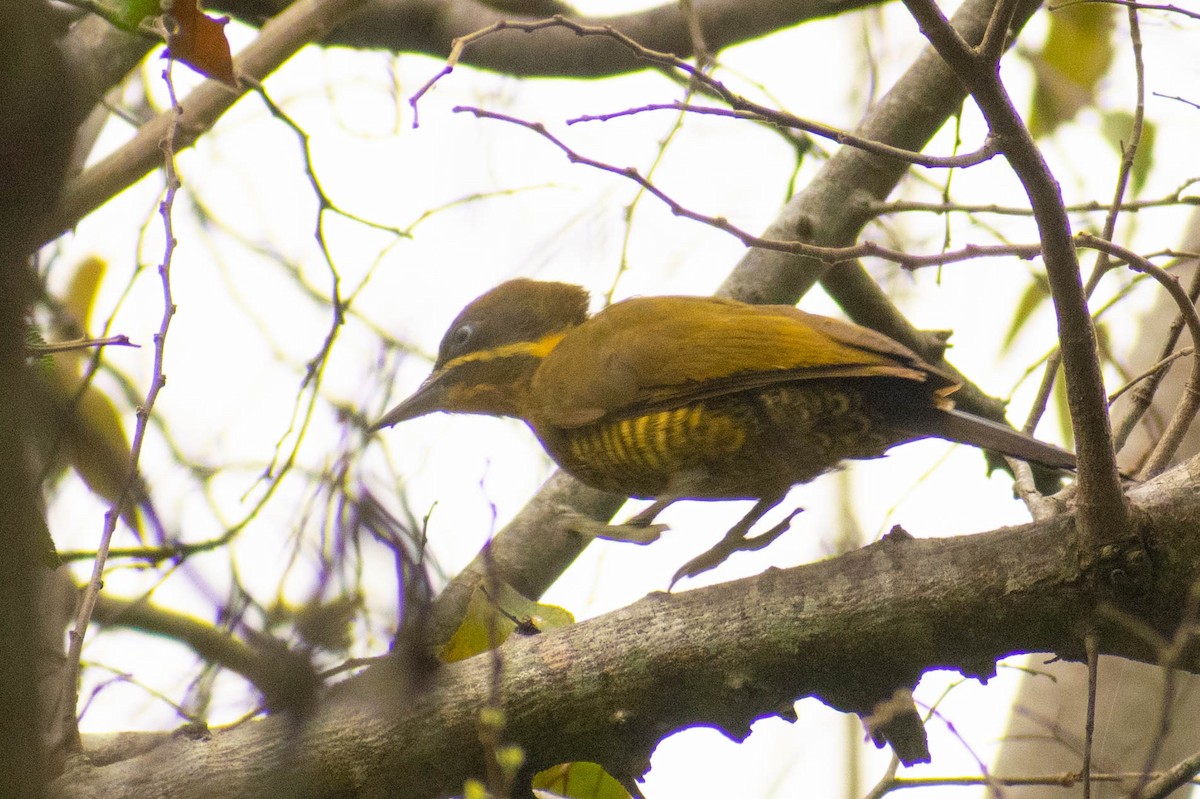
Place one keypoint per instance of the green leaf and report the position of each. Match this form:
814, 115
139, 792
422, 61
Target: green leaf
137, 10
1064, 415
1118, 127
474, 789
1077, 54
579, 781
493, 615
1035, 296
128, 14
89, 434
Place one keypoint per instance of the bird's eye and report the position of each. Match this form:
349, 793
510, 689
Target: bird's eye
461, 336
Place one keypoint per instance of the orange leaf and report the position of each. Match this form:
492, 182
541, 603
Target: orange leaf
198, 40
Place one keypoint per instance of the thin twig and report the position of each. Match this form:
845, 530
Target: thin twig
1143, 397
1089, 725
1154, 371
1130, 4
1172, 200
747, 109
742, 107
826, 254
1067, 779
120, 340
995, 38
630, 209
704, 56
1177, 99
1129, 150
887, 783
91, 592
1172, 437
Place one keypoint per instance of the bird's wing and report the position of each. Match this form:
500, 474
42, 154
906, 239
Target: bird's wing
664, 351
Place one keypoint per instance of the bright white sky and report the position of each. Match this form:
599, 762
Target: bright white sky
243, 332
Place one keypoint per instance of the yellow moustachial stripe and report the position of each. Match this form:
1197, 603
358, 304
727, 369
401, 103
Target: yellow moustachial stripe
536, 349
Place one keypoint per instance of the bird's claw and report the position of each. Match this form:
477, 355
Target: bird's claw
734, 541
631, 532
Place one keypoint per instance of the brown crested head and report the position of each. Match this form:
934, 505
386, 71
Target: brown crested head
519, 311
491, 350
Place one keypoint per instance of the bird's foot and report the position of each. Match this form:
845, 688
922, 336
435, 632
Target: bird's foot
632, 531
735, 541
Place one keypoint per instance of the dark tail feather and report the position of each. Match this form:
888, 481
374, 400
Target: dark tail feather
966, 428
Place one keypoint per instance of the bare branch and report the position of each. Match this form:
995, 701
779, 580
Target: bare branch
91, 592
304, 22
1190, 404
120, 340
1130, 4
832, 255
746, 109
1105, 516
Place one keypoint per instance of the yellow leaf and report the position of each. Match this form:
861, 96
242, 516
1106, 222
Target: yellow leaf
87, 433
81, 293
580, 780
77, 306
492, 616
1067, 70
89, 436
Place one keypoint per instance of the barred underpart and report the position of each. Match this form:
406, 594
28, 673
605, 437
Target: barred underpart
741, 445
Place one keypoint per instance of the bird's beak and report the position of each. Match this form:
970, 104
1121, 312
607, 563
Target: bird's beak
428, 398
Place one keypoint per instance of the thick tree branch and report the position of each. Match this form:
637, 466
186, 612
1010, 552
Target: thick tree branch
33, 157
429, 26
847, 630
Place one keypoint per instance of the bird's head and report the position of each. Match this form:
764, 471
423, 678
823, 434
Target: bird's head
489, 354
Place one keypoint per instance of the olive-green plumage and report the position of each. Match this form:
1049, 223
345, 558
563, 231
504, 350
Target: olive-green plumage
692, 397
